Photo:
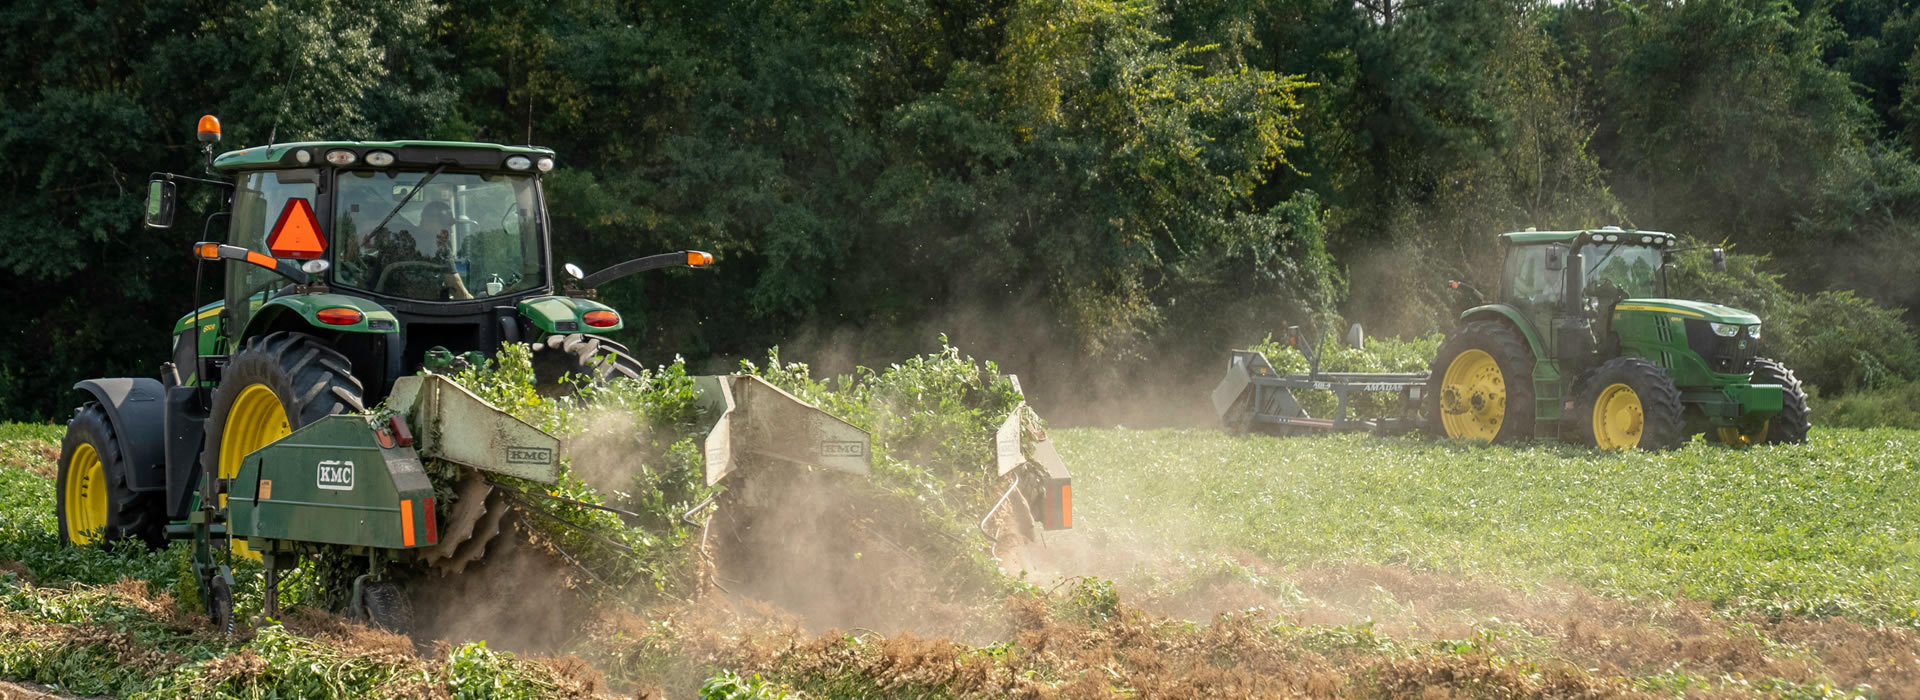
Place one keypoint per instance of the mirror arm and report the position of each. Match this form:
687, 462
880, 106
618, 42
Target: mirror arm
637, 265
189, 178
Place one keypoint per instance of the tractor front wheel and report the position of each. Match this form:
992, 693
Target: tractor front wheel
1629, 402
1790, 425
275, 384
1481, 386
96, 504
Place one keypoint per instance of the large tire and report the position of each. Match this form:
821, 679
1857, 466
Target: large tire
1789, 426
1481, 385
96, 503
275, 384
562, 363
1630, 402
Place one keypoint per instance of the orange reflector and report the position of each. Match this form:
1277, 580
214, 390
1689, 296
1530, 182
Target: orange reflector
601, 319
406, 522
1066, 506
297, 233
209, 129
697, 258
339, 316
262, 259
207, 251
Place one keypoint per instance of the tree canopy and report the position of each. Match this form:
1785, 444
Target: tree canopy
1089, 189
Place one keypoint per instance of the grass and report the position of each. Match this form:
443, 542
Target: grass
1824, 529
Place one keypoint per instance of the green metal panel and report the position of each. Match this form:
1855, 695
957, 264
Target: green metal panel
454, 425
1688, 308
272, 156
332, 482
547, 313
308, 306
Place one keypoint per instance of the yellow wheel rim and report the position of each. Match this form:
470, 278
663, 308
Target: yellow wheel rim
255, 419
1739, 438
1473, 397
86, 496
1618, 419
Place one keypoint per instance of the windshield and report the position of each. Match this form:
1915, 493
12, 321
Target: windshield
1635, 268
460, 236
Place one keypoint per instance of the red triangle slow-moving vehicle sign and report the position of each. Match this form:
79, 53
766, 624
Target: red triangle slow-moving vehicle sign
297, 233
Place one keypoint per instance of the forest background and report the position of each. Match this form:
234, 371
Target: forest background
1104, 196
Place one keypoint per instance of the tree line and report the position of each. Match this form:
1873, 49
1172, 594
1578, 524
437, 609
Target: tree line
1088, 190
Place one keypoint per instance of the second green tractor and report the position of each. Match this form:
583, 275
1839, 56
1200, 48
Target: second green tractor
1583, 343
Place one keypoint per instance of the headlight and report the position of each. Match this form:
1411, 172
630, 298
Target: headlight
1725, 330
379, 159
1753, 331
545, 164
341, 158
519, 162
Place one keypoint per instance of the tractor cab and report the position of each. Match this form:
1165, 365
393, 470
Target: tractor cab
401, 255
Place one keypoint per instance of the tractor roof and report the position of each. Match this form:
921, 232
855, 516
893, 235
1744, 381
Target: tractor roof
464, 153
1531, 237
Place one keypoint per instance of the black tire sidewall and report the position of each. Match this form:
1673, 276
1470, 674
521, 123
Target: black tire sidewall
556, 356
130, 514
1791, 424
285, 363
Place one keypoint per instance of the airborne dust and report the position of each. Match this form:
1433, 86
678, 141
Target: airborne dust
811, 572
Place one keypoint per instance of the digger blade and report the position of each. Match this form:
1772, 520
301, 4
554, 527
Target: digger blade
469, 506
757, 419
484, 531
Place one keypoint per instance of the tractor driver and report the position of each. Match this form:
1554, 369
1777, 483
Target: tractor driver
414, 262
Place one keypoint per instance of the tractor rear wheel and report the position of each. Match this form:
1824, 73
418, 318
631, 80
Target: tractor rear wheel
97, 505
563, 363
1481, 386
275, 384
1629, 402
1790, 425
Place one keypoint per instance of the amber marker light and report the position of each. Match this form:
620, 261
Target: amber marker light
209, 128
698, 258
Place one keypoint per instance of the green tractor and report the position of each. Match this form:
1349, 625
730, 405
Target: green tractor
307, 412
1584, 344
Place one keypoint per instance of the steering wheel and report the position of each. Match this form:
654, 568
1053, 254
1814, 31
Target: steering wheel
438, 268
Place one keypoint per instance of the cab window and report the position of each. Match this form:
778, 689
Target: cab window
257, 202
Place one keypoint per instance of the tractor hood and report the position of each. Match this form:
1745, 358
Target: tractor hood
1687, 308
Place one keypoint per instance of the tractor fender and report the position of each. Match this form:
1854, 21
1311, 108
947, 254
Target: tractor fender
1512, 317
137, 408
274, 314
556, 315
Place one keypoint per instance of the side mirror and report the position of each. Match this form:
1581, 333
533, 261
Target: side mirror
1556, 259
160, 203
1720, 259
